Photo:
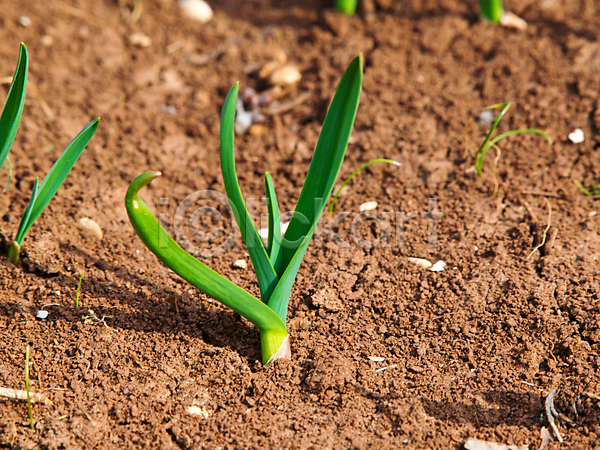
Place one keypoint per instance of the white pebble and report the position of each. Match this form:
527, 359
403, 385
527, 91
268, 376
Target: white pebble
438, 266
421, 262
368, 206
197, 411
41, 314
197, 10
91, 227
240, 263
243, 121
486, 117
285, 75
47, 40
140, 39
577, 137
24, 21
376, 358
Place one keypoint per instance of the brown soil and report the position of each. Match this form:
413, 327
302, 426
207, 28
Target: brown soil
471, 351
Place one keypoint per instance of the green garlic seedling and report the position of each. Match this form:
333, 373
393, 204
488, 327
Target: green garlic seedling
276, 264
489, 143
42, 194
9, 123
13, 108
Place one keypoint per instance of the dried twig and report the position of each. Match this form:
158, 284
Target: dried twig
287, 106
19, 394
541, 193
549, 411
545, 231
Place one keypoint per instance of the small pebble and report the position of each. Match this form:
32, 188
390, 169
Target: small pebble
41, 314
197, 411
243, 121
577, 136
240, 263
91, 227
47, 40
140, 39
368, 206
438, 266
24, 21
169, 109
421, 262
285, 75
197, 10
510, 20
376, 358
486, 117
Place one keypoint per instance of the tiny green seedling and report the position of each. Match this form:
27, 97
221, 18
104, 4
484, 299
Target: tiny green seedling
29, 410
42, 193
489, 143
78, 290
276, 264
346, 6
491, 10
595, 192
356, 172
13, 107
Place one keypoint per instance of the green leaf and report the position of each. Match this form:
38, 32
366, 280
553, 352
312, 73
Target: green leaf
491, 10
13, 108
274, 240
55, 177
265, 272
272, 329
322, 173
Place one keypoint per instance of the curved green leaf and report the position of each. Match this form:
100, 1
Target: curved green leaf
272, 329
265, 273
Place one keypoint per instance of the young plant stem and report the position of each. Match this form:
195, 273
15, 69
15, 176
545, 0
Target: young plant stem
356, 172
29, 410
78, 290
346, 6
489, 143
491, 10
273, 333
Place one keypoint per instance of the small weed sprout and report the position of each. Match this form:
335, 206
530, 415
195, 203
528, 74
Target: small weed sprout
29, 410
489, 143
277, 262
356, 172
346, 6
9, 123
594, 193
493, 11
78, 290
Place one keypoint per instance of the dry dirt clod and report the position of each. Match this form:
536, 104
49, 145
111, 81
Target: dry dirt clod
140, 39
